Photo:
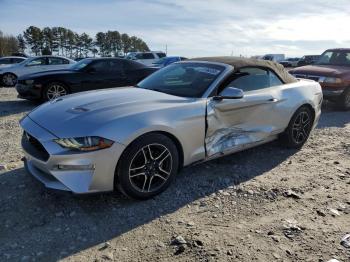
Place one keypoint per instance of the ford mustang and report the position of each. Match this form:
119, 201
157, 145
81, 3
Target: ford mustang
136, 139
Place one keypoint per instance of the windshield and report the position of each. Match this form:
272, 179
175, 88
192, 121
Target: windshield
184, 79
341, 58
81, 64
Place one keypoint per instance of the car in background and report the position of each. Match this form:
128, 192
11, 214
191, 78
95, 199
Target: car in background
87, 74
136, 139
274, 57
10, 60
308, 60
332, 71
165, 61
146, 58
9, 75
290, 62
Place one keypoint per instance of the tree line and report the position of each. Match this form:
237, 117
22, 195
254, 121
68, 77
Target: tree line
65, 42
8, 44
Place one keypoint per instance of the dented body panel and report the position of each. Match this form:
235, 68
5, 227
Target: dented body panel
258, 117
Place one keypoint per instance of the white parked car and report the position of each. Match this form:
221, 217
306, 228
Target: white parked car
9, 74
147, 58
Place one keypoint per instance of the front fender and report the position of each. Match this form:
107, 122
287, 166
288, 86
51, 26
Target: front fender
186, 124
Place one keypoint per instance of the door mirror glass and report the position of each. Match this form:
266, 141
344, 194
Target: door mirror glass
231, 93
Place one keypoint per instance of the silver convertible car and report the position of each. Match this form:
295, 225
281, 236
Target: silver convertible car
136, 139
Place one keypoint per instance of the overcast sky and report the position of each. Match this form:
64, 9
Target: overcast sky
196, 27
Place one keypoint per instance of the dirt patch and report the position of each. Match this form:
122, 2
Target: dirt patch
263, 204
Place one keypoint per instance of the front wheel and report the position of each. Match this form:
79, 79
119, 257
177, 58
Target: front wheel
53, 91
9, 79
147, 167
298, 129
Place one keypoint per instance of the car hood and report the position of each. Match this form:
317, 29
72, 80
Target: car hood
47, 73
82, 114
322, 70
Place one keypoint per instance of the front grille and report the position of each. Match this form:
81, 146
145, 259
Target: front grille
33, 147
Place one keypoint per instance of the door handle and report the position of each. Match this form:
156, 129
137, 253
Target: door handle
274, 100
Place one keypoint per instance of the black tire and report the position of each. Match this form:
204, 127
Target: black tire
298, 129
54, 90
139, 177
6, 77
344, 100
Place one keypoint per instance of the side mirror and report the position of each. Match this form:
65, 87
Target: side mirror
230, 93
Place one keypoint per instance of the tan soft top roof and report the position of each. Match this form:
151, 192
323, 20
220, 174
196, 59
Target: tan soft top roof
239, 62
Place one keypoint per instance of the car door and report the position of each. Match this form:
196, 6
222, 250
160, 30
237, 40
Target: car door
33, 66
236, 124
97, 75
116, 75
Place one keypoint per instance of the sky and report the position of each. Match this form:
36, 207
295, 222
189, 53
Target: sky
195, 28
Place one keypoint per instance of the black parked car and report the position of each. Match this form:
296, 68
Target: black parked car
87, 74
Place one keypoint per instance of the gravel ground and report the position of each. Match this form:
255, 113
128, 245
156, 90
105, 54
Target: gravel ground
263, 204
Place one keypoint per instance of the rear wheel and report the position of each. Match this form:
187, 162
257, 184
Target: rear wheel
299, 128
345, 99
9, 79
147, 167
54, 90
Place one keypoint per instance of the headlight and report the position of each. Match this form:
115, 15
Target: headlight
29, 82
331, 80
90, 143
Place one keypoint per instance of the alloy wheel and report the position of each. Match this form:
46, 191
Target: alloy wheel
9, 79
301, 127
150, 168
54, 91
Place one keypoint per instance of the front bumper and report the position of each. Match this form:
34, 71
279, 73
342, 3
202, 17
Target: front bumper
29, 92
60, 169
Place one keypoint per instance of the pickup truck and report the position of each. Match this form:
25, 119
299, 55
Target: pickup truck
332, 71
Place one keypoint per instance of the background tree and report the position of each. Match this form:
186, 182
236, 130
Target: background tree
21, 43
8, 44
115, 44
101, 43
65, 42
86, 43
94, 51
125, 43
34, 38
48, 40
